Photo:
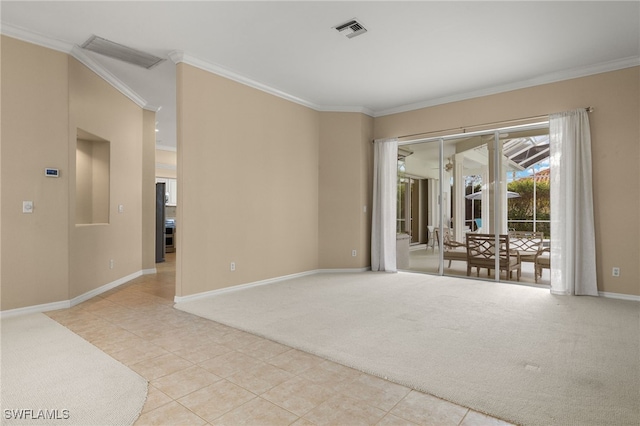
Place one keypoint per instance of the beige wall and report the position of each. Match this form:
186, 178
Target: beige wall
35, 262
247, 184
98, 108
92, 181
84, 182
344, 203
46, 258
615, 147
273, 186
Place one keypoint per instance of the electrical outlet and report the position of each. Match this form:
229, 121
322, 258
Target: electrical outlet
27, 207
354, 253
110, 263
232, 266
615, 272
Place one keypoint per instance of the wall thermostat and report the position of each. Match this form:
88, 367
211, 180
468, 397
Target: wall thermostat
51, 172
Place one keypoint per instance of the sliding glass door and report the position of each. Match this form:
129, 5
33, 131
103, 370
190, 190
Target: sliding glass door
412, 217
418, 205
484, 183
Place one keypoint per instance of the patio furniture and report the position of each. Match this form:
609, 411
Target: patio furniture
452, 250
528, 244
481, 250
543, 261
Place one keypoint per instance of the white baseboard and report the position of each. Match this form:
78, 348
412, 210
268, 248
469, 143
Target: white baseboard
342, 271
65, 304
180, 299
93, 293
620, 296
35, 309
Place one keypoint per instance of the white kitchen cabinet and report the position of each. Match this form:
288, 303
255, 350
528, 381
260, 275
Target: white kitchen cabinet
172, 190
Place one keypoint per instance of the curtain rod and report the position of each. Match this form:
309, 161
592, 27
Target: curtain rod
495, 123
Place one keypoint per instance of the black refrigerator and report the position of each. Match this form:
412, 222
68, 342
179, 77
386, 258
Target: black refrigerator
160, 221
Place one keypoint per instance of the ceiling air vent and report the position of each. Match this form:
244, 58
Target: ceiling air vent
123, 53
351, 29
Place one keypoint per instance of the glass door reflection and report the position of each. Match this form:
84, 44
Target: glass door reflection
417, 205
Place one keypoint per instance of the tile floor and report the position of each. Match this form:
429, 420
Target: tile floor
201, 372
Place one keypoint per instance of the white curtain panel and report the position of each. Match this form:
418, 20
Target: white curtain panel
573, 247
385, 190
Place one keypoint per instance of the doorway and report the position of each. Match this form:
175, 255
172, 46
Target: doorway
492, 182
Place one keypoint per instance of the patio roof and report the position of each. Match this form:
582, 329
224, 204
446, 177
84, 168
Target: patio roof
527, 151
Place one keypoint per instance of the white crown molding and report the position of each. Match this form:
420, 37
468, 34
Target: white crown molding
179, 56
176, 56
537, 81
35, 38
361, 110
106, 75
77, 52
152, 108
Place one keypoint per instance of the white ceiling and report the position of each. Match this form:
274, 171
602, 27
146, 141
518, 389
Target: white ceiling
414, 54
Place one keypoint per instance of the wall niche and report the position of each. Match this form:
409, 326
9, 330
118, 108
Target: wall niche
92, 178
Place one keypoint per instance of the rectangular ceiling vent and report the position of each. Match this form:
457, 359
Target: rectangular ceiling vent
351, 29
117, 51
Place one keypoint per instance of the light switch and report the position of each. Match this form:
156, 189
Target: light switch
120, 208
27, 207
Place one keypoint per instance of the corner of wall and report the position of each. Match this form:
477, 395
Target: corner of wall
247, 184
344, 218
105, 252
148, 189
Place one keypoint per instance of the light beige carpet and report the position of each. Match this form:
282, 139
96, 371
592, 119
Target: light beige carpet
51, 375
514, 352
